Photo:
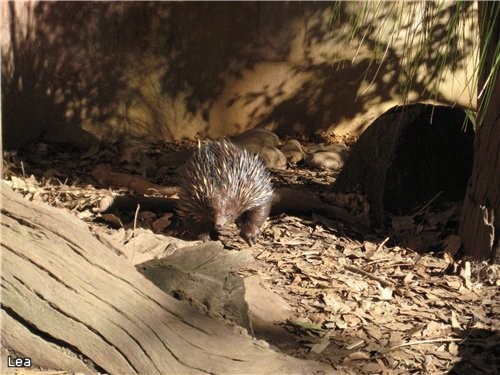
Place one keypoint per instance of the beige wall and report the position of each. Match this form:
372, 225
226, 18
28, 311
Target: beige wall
171, 70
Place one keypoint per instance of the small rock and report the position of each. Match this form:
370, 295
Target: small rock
293, 151
273, 157
327, 160
335, 147
254, 139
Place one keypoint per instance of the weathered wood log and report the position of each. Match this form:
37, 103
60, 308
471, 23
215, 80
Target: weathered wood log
69, 303
129, 203
139, 184
202, 275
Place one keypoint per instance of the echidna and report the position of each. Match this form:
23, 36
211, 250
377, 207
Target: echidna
223, 183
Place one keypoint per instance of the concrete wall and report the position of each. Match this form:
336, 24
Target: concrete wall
170, 70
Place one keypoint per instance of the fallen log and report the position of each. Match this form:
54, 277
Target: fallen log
71, 304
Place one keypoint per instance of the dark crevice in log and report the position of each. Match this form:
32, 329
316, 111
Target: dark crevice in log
12, 286
40, 267
63, 345
236, 360
97, 333
94, 295
187, 365
151, 331
183, 338
63, 313
50, 274
178, 316
126, 317
20, 220
75, 248
141, 347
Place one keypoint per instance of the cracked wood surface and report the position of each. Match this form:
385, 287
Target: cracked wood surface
69, 303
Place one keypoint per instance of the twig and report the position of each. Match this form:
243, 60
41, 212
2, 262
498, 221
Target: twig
355, 345
424, 342
382, 243
364, 273
373, 277
427, 204
135, 218
377, 261
22, 169
133, 232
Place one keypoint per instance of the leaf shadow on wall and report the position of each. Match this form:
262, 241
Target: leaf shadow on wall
57, 71
342, 90
75, 61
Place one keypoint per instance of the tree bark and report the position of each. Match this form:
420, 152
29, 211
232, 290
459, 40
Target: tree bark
480, 222
71, 304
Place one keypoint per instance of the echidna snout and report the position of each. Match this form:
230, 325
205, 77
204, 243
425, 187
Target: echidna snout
223, 212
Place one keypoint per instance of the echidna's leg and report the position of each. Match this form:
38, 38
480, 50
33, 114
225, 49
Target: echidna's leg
251, 221
203, 231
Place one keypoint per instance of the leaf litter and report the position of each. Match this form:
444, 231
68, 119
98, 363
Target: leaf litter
363, 305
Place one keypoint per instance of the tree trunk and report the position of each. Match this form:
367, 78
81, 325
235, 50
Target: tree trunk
71, 304
480, 222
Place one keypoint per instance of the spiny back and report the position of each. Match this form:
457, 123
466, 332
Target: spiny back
222, 170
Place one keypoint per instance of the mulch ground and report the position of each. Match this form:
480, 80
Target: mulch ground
367, 302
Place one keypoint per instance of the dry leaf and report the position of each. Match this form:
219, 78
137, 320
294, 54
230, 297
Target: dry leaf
321, 345
434, 330
455, 325
112, 219
351, 320
162, 223
385, 294
465, 272
305, 325
395, 339
369, 247
358, 355
454, 284
453, 348
452, 245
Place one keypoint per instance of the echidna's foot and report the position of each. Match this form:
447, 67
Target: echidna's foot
251, 221
250, 232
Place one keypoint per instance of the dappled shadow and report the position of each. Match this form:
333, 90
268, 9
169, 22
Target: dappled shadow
326, 98
58, 70
97, 63
210, 42
331, 93
479, 352
74, 61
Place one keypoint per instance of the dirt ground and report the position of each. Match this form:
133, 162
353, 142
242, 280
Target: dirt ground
365, 302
